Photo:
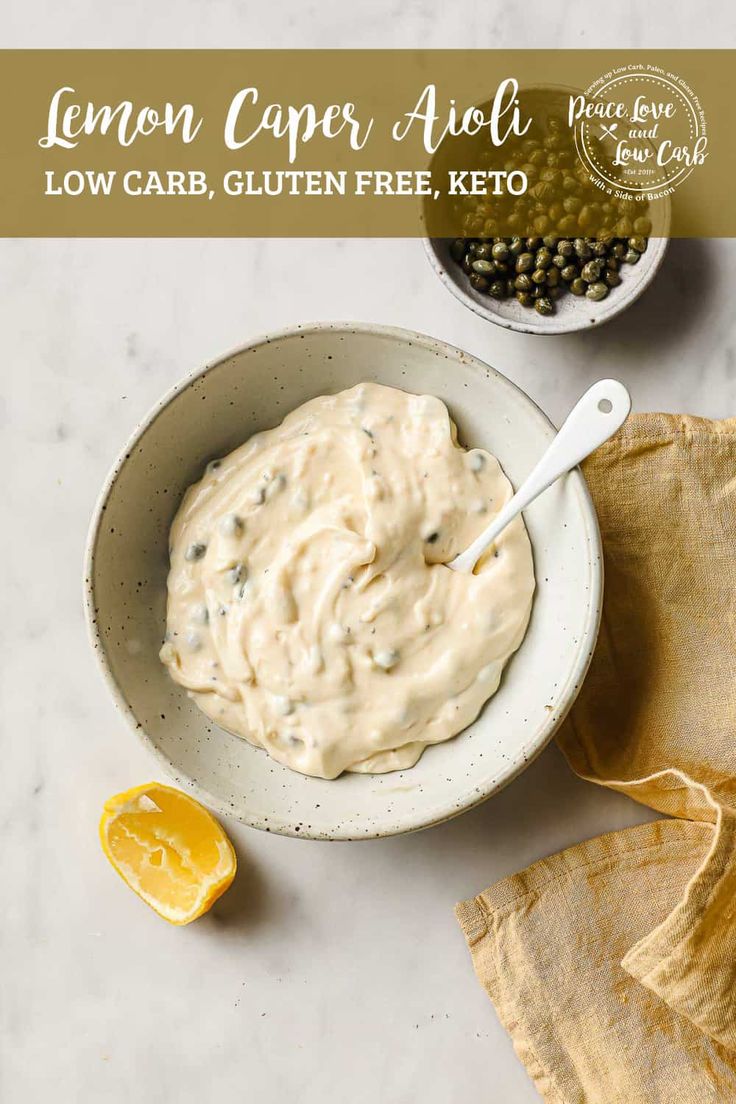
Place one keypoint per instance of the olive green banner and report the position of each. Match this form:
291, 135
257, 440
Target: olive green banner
467, 144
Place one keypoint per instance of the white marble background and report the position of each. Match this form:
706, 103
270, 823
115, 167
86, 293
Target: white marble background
330, 974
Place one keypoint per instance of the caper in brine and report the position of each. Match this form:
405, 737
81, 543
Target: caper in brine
539, 276
524, 262
484, 268
550, 243
582, 249
568, 273
639, 244
597, 291
523, 282
542, 224
643, 225
500, 251
544, 305
543, 258
516, 246
559, 261
565, 248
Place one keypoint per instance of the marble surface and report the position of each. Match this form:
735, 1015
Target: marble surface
330, 972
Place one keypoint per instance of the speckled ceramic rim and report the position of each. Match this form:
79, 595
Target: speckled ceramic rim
568, 692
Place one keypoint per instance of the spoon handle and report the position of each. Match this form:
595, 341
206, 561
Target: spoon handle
595, 417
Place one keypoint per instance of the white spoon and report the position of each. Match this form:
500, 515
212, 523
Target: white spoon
595, 417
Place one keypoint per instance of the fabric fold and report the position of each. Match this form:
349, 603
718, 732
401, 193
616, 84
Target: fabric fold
613, 964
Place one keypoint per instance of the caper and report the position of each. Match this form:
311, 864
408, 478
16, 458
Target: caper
578, 286
582, 249
565, 248
480, 283
542, 224
591, 271
484, 251
543, 258
612, 279
572, 204
559, 261
597, 291
516, 246
553, 277
539, 276
195, 552
523, 282
599, 248
570, 185
550, 243
643, 226
624, 227
524, 262
467, 263
544, 305
457, 250
525, 298
631, 257
484, 268
502, 268
542, 191
568, 224
500, 251
568, 273
533, 243
498, 289
587, 217
639, 244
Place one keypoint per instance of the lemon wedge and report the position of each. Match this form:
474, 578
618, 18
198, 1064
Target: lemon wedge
168, 849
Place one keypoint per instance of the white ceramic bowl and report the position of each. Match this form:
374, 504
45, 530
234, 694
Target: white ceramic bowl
206, 416
572, 312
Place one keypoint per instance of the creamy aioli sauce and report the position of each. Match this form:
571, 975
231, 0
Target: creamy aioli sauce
310, 609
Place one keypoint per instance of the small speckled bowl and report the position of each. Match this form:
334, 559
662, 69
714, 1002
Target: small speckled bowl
206, 416
572, 312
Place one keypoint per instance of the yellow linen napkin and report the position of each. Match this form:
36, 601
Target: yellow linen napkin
613, 964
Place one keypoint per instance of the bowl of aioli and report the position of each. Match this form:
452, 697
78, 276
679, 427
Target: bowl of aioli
217, 409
